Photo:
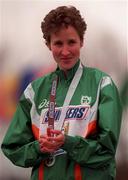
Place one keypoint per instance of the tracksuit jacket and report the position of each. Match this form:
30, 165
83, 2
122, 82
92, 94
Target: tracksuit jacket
94, 120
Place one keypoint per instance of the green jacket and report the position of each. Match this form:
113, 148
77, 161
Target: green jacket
83, 157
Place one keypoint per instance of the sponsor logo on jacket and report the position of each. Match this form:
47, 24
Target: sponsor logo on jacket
72, 113
44, 103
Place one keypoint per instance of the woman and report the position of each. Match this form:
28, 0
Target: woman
67, 123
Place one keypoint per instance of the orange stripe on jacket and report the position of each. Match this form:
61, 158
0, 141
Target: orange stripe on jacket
78, 175
41, 172
35, 131
92, 128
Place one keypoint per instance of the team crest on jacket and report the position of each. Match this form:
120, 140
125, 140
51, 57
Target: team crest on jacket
85, 100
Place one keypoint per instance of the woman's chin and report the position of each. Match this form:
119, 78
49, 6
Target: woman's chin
66, 67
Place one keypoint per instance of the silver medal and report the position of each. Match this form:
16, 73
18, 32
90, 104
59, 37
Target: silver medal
50, 161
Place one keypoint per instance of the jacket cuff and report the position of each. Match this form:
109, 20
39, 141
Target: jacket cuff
70, 142
37, 148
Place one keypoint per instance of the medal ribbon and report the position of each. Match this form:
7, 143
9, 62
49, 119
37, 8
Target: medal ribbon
52, 106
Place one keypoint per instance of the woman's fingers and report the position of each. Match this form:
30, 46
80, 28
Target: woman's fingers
59, 136
51, 144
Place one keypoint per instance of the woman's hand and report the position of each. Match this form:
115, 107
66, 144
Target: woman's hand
51, 144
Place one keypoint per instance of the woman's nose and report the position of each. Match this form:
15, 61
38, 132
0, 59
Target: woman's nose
65, 50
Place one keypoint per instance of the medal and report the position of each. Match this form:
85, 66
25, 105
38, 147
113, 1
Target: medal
50, 161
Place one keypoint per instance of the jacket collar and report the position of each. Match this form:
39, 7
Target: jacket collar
70, 74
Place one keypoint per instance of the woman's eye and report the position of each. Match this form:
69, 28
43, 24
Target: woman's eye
58, 43
72, 42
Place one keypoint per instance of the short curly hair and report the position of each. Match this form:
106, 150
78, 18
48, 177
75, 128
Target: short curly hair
63, 16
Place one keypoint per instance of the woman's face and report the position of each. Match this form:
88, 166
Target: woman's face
65, 45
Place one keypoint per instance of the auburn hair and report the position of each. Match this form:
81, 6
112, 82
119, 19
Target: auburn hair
62, 16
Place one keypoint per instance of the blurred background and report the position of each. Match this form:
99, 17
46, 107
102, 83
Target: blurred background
24, 57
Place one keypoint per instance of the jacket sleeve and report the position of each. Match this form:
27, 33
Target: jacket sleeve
97, 151
19, 144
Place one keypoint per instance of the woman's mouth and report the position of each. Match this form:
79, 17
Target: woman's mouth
66, 59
